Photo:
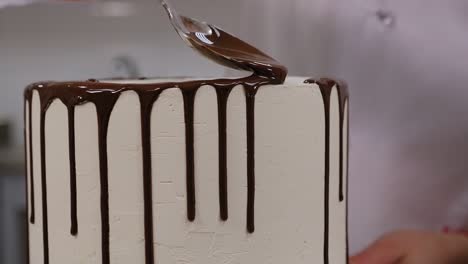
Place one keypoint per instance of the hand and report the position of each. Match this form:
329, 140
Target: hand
416, 247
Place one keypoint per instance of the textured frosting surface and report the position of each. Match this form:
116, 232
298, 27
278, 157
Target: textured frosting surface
290, 138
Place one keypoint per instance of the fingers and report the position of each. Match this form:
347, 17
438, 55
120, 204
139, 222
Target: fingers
439, 248
391, 248
459, 246
384, 251
408, 247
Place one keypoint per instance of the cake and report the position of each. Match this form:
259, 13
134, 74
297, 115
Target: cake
187, 171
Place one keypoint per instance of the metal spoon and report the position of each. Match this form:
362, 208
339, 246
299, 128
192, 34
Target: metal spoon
224, 48
186, 26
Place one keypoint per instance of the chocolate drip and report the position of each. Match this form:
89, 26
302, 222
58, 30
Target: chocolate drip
189, 101
326, 86
222, 97
104, 108
343, 96
45, 223
347, 189
28, 97
71, 148
146, 106
326, 101
72, 95
26, 223
250, 103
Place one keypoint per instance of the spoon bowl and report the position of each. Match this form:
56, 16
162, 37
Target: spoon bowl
224, 48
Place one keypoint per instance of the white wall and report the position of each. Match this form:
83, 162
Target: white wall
64, 41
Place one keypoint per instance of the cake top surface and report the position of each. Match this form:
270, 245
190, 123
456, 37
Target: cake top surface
173, 82
106, 92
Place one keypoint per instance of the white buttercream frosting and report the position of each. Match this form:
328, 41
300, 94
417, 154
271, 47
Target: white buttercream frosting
289, 167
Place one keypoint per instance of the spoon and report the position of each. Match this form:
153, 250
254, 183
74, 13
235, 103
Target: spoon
185, 25
224, 48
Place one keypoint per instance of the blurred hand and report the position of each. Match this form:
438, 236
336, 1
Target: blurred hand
416, 247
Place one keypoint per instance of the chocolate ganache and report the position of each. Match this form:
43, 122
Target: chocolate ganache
326, 85
224, 49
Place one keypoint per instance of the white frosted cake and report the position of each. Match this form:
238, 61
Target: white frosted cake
187, 172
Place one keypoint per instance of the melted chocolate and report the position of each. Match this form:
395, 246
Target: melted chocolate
26, 223
45, 222
222, 96
28, 97
347, 189
146, 107
326, 87
189, 101
346, 174
232, 52
250, 102
72, 154
104, 96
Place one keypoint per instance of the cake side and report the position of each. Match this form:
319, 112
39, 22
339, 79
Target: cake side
289, 167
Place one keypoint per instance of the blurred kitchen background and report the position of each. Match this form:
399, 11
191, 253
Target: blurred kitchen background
406, 62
